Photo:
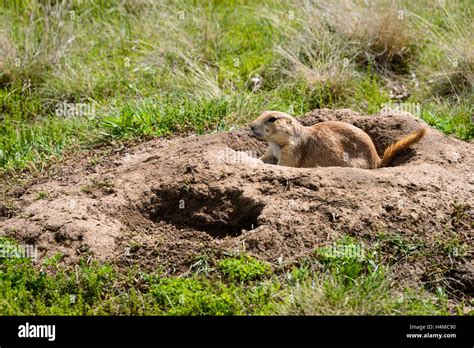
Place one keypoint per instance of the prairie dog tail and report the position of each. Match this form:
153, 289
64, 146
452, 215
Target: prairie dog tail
391, 151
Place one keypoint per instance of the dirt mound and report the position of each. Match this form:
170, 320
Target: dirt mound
164, 202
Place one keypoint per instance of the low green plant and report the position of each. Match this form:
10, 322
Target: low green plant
91, 288
244, 268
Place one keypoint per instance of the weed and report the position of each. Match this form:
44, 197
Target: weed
106, 186
243, 269
42, 195
90, 288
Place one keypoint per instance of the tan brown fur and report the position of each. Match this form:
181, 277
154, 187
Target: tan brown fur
325, 144
391, 151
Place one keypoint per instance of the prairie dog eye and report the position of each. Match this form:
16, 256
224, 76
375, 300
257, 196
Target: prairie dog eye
272, 119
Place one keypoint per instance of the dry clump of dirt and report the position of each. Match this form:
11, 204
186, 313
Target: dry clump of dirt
164, 202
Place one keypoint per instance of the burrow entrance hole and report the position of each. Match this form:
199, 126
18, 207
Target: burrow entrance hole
220, 213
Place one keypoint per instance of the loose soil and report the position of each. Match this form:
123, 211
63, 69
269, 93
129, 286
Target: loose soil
165, 202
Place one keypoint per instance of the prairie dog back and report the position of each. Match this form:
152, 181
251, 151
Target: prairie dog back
330, 143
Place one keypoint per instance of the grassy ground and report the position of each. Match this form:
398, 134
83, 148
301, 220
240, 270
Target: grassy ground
327, 283
78, 74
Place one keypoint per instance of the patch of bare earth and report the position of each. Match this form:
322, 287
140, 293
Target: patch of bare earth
164, 202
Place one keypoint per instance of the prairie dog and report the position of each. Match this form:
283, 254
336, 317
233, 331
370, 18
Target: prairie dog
325, 144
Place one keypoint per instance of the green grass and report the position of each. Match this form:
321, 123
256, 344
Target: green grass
42, 195
452, 118
243, 268
156, 69
341, 284
353, 281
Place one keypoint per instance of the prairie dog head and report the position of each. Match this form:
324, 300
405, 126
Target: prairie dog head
275, 126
